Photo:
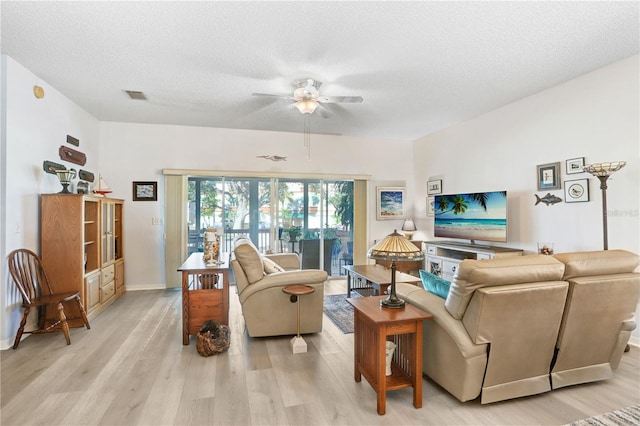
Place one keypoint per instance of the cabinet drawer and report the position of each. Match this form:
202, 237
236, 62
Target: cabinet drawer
107, 274
107, 291
431, 250
449, 267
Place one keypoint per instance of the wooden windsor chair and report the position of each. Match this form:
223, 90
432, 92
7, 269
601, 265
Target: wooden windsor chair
31, 279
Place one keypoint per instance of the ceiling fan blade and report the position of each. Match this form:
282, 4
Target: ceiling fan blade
271, 95
341, 99
324, 111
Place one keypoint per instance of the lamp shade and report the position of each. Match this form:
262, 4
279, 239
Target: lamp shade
396, 247
409, 225
604, 169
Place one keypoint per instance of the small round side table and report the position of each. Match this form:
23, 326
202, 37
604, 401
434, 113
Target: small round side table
298, 345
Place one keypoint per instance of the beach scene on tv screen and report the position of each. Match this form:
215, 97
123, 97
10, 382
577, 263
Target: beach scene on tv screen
477, 216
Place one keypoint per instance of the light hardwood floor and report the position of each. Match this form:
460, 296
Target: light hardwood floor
132, 369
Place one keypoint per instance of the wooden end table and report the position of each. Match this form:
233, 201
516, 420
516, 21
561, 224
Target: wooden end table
203, 296
373, 326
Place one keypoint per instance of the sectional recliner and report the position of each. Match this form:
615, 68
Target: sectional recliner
525, 325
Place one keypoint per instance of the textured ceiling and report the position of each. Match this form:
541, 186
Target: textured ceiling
420, 66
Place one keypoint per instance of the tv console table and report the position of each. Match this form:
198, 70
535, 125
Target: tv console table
443, 257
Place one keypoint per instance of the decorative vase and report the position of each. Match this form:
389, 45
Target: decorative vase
211, 252
391, 347
65, 176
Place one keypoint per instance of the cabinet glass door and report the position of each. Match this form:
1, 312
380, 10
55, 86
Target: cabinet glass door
108, 246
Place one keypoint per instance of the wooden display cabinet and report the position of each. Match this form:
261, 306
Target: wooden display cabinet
79, 235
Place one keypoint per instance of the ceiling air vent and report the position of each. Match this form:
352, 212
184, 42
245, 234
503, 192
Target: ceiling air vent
133, 94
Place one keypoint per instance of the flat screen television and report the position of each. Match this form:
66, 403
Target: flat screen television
477, 216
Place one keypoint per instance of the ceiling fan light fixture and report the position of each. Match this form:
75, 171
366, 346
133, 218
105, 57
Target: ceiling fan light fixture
306, 107
306, 93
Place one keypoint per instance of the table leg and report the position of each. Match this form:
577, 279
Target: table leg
348, 283
381, 385
357, 345
185, 308
225, 297
416, 349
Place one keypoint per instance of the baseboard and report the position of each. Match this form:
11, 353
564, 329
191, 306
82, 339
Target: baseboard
634, 341
147, 287
6, 344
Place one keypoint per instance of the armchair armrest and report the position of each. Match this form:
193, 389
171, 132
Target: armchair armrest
289, 261
283, 279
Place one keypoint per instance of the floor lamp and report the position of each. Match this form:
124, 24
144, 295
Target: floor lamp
602, 171
394, 247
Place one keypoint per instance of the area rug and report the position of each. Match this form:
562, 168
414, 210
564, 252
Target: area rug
622, 417
339, 311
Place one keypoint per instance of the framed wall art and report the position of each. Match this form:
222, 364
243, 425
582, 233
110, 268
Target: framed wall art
434, 187
390, 203
145, 191
576, 191
548, 176
575, 165
431, 207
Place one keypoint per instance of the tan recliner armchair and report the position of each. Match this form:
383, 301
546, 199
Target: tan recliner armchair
599, 315
266, 309
495, 335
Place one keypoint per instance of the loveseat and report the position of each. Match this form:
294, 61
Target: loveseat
523, 325
267, 311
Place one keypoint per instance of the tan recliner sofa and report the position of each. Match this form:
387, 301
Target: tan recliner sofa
599, 315
497, 332
267, 311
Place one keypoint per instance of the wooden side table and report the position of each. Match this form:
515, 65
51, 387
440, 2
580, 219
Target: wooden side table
373, 326
203, 296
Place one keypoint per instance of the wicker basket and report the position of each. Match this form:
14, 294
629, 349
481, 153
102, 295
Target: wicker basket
213, 338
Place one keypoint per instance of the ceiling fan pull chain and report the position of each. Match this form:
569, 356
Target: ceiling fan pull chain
307, 135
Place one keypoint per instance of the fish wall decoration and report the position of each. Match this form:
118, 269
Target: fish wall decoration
548, 199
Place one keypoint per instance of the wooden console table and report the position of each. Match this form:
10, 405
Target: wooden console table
373, 326
204, 295
374, 277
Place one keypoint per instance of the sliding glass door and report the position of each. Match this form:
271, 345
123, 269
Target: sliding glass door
313, 218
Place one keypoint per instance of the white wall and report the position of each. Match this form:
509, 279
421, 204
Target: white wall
596, 116
33, 131
139, 152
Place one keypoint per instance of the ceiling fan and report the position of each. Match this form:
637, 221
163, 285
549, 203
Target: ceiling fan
307, 99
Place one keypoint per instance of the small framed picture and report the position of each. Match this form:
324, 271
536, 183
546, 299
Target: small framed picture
431, 208
548, 176
575, 165
145, 191
390, 203
576, 191
434, 187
